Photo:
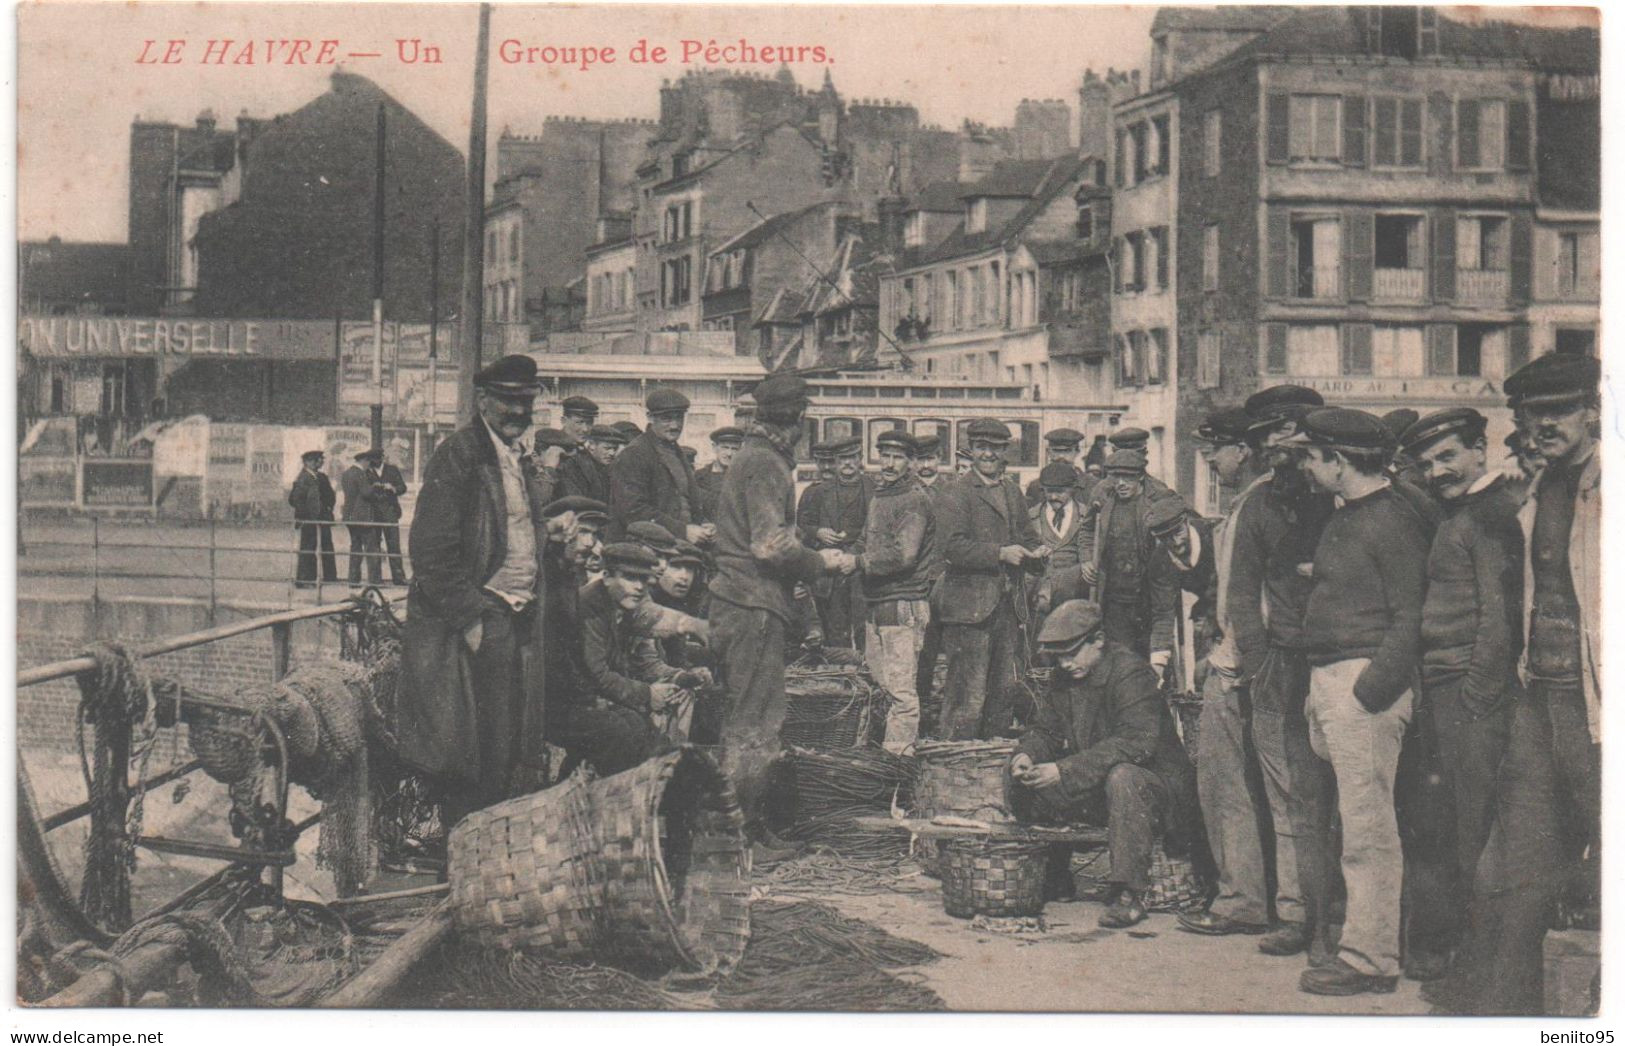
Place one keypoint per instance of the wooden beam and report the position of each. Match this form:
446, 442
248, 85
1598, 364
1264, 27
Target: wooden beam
368, 986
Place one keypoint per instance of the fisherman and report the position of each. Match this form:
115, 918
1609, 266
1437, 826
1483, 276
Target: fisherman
831, 515
927, 459
580, 414
962, 462
898, 560
312, 501
1138, 441
1362, 632
1058, 514
656, 539
359, 517
989, 543
652, 479
724, 444
1103, 750
472, 683
1061, 448
387, 487
759, 561
586, 475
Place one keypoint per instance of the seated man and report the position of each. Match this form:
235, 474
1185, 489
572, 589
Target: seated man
1103, 747
656, 539
681, 587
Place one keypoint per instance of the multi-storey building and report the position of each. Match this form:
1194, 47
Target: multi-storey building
612, 277
1568, 278
782, 252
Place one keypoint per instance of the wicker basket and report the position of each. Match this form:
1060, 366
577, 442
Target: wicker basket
964, 779
647, 867
831, 707
993, 878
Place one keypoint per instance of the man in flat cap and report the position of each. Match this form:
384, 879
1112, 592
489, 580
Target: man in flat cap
1277, 527
652, 479
1362, 631
312, 500
962, 462
1227, 772
580, 414
1061, 448
1058, 513
628, 429
898, 557
759, 560
1545, 841
359, 517
473, 679
831, 515
586, 474
388, 485
708, 481
990, 546
927, 461
1139, 441
1102, 749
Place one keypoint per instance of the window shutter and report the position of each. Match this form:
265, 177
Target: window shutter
1359, 235
1117, 270
1385, 129
1467, 133
1371, 17
1517, 346
1444, 254
1427, 34
1441, 349
1278, 229
1162, 258
1410, 132
1121, 157
1354, 110
1275, 348
1520, 264
1518, 135
1357, 348
1278, 139
1441, 112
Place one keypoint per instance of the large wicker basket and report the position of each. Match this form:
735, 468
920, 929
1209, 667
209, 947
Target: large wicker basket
830, 707
964, 779
647, 867
993, 878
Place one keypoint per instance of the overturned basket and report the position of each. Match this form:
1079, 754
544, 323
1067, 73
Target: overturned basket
647, 867
993, 878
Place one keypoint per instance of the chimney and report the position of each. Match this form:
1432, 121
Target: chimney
1094, 116
890, 209
206, 121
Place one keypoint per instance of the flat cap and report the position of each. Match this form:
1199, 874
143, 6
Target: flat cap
630, 429
1057, 475
988, 430
510, 376
580, 406
1554, 378
780, 390
1063, 437
1126, 461
1129, 439
552, 438
927, 446
961, 454
1266, 404
1424, 432
1069, 624
843, 448
311, 455
1165, 514
1400, 420
655, 536
1343, 429
1225, 426
630, 557
665, 401
728, 434
370, 454
898, 439
690, 453
823, 451
606, 434
576, 503
687, 552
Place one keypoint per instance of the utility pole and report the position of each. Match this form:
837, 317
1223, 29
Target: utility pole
434, 318
473, 312
378, 290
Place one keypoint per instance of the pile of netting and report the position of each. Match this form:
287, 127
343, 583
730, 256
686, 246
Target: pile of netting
801, 956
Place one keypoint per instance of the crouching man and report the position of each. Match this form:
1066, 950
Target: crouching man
1103, 747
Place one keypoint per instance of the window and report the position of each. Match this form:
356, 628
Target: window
1481, 243
513, 244
1210, 257
976, 215
1468, 350
1156, 359
1086, 223
1481, 134
838, 430
1576, 261
1212, 123
1209, 357
1120, 156
1314, 127
1317, 250
1140, 134
1398, 256
1357, 349
1397, 137
1159, 245
678, 222
675, 286
1134, 263
1314, 350
1579, 341
1163, 143
1396, 352
1023, 451
1125, 361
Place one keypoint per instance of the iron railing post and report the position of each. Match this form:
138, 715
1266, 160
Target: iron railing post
96, 576
213, 606
281, 649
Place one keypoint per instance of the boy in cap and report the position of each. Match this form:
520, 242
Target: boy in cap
898, 561
586, 475
708, 481
990, 545
1061, 448
358, 519
1544, 846
1103, 749
962, 462
1138, 441
831, 515
1362, 634
652, 478
312, 501
473, 680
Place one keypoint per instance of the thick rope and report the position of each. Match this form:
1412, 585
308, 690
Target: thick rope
112, 697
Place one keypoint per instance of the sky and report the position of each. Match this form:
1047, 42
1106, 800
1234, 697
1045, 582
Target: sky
82, 79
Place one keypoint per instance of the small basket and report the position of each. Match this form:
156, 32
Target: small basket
993, 878
1175, 884
964, 779
830, 708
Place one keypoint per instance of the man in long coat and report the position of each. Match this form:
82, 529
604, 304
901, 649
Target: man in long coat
359, 517
831, 515
652, 479
312, 500
585, 474
472, 685
387, 487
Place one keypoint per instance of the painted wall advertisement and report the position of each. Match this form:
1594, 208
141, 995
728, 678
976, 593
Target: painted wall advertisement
116, 483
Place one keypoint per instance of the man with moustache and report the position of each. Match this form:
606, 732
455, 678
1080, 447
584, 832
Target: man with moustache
473, 682
652, 479
834, 515
927, 461
580, 414
1061, 448
585, 474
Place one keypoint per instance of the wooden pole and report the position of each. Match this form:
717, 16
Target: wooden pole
368, 986
473, 310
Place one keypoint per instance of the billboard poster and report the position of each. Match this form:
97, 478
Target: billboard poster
182, 449
116, 483
400, 450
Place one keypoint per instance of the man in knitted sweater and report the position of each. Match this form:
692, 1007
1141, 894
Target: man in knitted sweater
1363, 632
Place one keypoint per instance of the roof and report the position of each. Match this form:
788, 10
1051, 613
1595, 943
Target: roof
1020, 178
1234, 19
783, 307
1054, 252
769, 227
1338, 30
752, 142
939, 196
1057, 175
54, 271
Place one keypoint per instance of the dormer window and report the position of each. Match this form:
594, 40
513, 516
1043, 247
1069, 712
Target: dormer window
914, 230
976, 215
1402, 32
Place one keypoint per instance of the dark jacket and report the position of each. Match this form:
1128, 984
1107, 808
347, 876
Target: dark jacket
652, 480
1275, 534
357, 484
1370, 571
387, 487
899, 543
976, 520
1082, 487
1201, 578
1472, 616
311, 497
759, 558
707, 485
580, 475
621, 661
1113, 715
456, 544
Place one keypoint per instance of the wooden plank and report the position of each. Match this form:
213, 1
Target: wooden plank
1033, 833
368, 986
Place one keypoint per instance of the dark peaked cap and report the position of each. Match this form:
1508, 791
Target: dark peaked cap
510, 376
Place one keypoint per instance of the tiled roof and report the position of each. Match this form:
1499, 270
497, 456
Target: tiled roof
53, 271
939, 196
1233, 18
768, 228
1022, 178
1057, 175
1339, 30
